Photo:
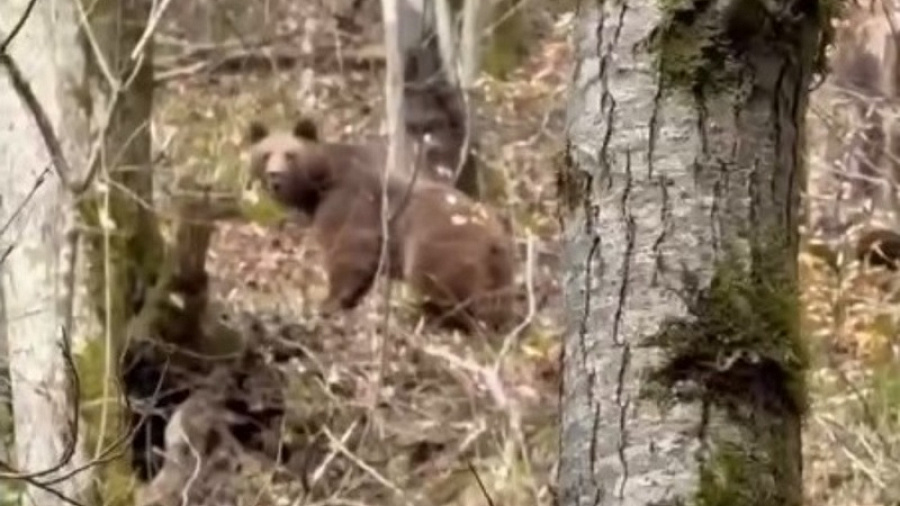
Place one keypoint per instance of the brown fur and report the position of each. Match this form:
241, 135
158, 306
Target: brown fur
453, 251
457, 254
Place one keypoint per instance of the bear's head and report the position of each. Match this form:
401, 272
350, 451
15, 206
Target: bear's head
293, 166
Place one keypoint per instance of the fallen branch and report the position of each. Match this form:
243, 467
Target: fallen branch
251, 59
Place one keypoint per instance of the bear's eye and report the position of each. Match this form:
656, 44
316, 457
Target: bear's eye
291, 157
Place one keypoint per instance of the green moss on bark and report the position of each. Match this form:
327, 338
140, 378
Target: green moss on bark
123, 246
705, 46
726, 479
739, 352
742, 336
572, 184
115, 477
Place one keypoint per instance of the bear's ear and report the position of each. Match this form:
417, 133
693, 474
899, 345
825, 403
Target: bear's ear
306, 129
256, 132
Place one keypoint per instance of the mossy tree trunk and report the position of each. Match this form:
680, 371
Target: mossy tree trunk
123, 250
683, 367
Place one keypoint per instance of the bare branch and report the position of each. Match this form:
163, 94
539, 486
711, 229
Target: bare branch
51, 141
69, 450
38, 182
18, 27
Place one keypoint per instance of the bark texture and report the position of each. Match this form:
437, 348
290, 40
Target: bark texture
683, 370
38, 208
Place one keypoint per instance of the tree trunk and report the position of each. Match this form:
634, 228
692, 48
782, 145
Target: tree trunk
7, 428
435, 115
470, 42
122, 246
36, 204
683, 369
393, 84
445, 30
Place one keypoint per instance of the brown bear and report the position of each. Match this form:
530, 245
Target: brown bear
453, 251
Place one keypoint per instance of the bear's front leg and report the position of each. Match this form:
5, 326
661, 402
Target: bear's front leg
348, 227
349, 280
351, 263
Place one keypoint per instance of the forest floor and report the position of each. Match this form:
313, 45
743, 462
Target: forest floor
448, 402
851, 321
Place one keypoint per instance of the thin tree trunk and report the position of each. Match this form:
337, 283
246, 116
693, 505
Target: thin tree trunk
435, 113
470, 42
393, 85
37, 205
683, 370
445, 30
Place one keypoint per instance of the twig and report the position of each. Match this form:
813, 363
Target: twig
51, 141
532, 305
150, 29
494, 386
320, 471
480, 483
18, 26
69, 450
365, 467
38, 182
489, 30
95, 47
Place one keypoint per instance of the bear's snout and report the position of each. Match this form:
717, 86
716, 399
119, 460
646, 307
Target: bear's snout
275, 181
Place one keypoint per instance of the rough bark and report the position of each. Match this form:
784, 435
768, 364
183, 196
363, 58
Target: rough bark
683, 370
37, 206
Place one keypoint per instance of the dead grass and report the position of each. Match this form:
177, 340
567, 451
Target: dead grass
851, 320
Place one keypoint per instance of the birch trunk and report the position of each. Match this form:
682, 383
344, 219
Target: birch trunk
445, 30
683, 370
434, 115
34, 274
393, 84
470, 42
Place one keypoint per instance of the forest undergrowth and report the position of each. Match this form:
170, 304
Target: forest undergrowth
451, 408
455, 418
